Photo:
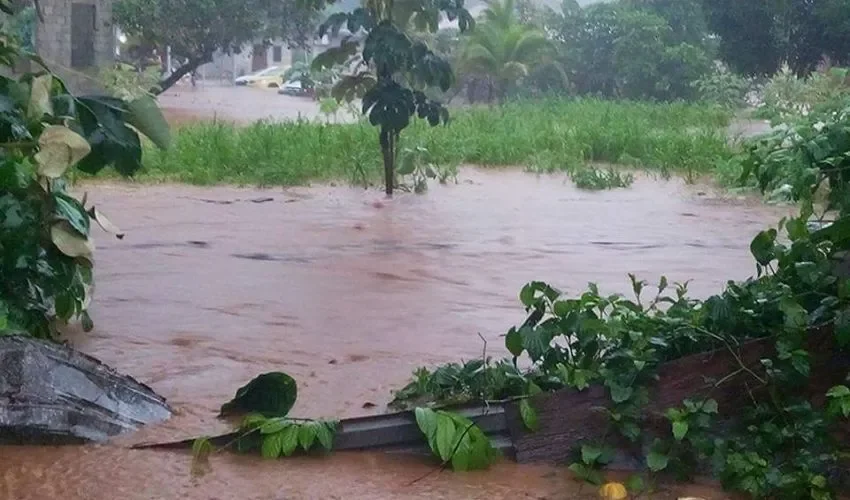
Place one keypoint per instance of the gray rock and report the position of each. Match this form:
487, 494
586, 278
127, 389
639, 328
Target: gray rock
53, 394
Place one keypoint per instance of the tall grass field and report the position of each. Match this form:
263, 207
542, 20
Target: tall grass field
546, 135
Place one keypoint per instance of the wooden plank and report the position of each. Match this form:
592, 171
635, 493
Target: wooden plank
568, 418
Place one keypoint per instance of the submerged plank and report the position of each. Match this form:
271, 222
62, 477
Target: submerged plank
394, 432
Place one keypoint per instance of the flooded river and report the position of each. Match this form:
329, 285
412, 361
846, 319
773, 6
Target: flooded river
349, 293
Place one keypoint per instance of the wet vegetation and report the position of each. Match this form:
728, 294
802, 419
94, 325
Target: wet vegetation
46, 269
660, 137
780, 444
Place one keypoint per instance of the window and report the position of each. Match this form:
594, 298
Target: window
277, 54
82, 35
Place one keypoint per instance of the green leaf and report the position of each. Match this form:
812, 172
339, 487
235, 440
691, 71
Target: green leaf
680, 429
253, 421
763, 247
513, 342
461, 460
272, 445
71, 210
307, 435
325, 434
590, 454
426, 419
839, 391
619, 393
147, 118
536, 341
800, 362
586, 473
270, 394
529, 415
274, 425
657, 461
635, 485
289, 440
709, 406
202, 448
446, 433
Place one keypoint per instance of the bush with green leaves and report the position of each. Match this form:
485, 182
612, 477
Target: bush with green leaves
779, 445
46, 243
723, 88
597, 179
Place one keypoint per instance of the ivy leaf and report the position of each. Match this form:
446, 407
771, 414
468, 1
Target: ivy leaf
289, 439
657, 461
69, 242
800, 362
71, 210
680, 429
839, 391
40, 104
529, 416
445, 436
709, 406
272, 445
619, 393
590, 454
59, 149
587, 474
307, 435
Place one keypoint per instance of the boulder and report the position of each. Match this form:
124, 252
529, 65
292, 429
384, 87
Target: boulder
50, 393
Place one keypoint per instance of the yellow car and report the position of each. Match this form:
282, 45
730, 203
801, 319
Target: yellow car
269, 78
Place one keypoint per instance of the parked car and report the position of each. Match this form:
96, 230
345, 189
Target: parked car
269, 78
295, 88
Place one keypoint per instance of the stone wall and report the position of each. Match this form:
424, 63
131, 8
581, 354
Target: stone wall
53, 41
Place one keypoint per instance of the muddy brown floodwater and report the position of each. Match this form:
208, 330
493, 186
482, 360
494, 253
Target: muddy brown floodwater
349, 293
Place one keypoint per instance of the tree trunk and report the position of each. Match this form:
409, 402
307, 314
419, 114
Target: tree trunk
388, 152
179, 73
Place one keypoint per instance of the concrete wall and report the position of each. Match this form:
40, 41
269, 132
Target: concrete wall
53, 41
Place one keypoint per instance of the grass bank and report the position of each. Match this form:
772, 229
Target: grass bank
542, 135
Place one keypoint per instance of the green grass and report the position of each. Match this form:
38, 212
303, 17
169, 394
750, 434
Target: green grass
541, 135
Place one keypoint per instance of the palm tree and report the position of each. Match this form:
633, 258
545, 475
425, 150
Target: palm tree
501, 49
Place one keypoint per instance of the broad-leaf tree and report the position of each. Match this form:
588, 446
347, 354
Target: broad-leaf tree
757, 37
197, 29
390, 70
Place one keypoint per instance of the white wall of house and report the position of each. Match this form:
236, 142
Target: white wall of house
277, 54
